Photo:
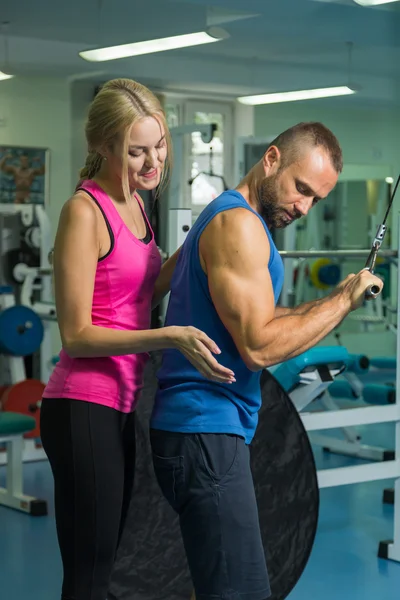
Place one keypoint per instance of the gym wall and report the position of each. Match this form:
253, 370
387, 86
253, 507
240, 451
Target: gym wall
36, 111
81, 95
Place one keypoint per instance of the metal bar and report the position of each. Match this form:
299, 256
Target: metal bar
394, 551
16, 501
358, 474
315, 421
349, 448
31, 453
45, 271
362, 253
14, 465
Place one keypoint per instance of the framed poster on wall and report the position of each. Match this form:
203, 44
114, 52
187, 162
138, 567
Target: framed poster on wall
23, 175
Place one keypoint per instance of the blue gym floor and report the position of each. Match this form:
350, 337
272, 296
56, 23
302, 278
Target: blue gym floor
343, 564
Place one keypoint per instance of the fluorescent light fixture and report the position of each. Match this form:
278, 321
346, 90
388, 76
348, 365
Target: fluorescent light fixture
214, 34
389, 180
374, 2
277, 97
4, 76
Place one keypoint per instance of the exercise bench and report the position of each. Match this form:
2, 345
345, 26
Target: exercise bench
308, 377
13, 426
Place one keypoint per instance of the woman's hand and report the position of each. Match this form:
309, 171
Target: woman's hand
198, 348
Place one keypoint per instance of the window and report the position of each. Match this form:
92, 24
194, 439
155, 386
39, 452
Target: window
209, 165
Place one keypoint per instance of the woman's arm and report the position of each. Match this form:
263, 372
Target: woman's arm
76, 253
163, 283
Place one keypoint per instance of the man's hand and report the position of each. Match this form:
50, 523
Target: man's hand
354, 287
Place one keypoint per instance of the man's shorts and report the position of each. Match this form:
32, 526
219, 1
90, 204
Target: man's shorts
207, 480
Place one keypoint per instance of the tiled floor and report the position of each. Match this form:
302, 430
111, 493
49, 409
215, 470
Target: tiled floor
343, 564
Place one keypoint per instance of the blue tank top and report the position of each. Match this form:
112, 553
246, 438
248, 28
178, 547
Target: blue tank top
185, 400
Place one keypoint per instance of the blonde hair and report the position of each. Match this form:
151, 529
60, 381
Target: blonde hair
118, 105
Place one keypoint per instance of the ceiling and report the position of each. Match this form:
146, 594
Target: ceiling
274, 45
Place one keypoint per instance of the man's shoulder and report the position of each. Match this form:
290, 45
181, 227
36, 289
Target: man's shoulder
233, 233
238, 220
226, 198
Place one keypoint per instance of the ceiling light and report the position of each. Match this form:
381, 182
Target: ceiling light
374, 2
5, 76
277, 97
3, 31
214, 34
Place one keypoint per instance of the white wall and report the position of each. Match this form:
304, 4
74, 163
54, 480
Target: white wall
49, 113
82, 93
37, 112
367, 135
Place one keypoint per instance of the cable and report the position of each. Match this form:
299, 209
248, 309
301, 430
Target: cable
373, 290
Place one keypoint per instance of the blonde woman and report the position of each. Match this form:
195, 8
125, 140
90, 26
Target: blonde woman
107, 276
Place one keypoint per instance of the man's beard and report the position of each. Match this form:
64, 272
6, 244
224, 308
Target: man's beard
268, 204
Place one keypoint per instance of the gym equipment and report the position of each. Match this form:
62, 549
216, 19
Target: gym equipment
25, 398
372, 393
384, 363
388, 496
21, 331
20, 394
19, 430
361, 253
334, 419
324, 273
25, 242
175, 214
342, 389
359, 363
179, 224
352, 387
311, 376
25, 300
151, 562
12, 260
308, 375
21, 334
379, 394
210, 173
373, 291
12, 428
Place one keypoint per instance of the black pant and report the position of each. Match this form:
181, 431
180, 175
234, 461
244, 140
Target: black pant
207, 480
91, 450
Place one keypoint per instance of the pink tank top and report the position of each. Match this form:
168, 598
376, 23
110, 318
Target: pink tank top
122, 298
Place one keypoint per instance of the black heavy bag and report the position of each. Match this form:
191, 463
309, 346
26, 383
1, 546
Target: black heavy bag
151, 563
285, 480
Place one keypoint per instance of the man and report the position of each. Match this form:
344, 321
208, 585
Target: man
226, 282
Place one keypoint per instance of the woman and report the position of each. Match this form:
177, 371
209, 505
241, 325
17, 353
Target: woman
107, 276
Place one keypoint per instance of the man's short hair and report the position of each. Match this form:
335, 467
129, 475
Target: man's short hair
292, 143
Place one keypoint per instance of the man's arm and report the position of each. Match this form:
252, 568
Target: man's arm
10, 169
163, 283
38, 170
283, 311
235, 253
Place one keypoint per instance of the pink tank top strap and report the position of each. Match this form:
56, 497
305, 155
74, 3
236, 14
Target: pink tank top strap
104, 202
